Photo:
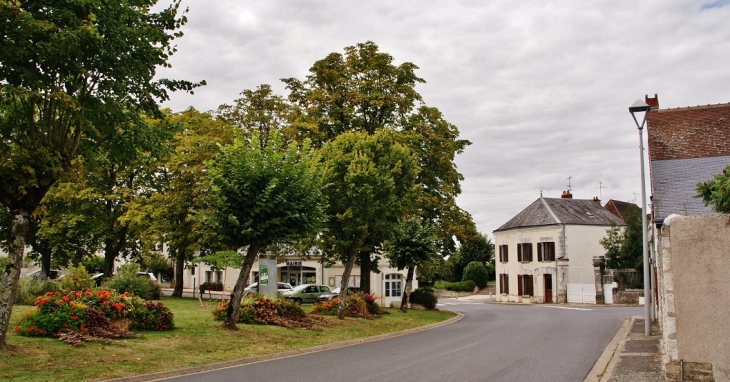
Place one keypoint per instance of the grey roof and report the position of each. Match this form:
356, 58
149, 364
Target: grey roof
674, 181
550, 211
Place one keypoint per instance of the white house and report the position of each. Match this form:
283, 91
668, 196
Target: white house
387, 285
546, 252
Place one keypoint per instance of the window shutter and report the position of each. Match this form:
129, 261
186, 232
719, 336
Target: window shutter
539, 251
529, 285
519, 285
519, 252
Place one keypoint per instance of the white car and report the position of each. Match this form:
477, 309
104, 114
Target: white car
253, 288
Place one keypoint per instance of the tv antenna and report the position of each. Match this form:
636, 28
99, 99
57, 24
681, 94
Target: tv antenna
600, 190
569, 183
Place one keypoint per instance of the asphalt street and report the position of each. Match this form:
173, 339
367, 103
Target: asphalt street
493, 342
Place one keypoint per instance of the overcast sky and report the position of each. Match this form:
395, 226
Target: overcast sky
540, 88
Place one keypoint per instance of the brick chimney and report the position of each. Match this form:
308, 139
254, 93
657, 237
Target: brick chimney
566, 195
652, 102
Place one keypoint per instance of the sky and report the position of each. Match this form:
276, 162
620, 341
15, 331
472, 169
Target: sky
540, 88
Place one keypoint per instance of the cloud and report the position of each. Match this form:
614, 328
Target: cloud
541, 88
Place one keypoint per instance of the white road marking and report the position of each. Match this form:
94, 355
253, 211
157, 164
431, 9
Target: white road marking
565, 307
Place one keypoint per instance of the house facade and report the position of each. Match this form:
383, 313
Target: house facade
387, 286
546, 253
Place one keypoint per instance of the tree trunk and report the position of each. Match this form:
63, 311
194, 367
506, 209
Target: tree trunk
11, 273
407, 290
365, 272
235, 303
179, 269
45, 252
110, 254
343, 286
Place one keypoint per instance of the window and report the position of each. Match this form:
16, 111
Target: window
524, 252
503, 253
504, 283
208, 276
546, 251
393, 285
524, 285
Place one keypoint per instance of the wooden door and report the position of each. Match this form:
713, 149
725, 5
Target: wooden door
548, 288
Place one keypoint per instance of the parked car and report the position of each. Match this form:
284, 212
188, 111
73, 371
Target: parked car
306, 293
336, 292
253, 288
98, 279
53, 274
148, 275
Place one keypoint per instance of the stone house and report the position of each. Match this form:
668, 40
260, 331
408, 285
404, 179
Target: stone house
545, 253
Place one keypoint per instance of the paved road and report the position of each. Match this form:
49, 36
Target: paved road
491, 343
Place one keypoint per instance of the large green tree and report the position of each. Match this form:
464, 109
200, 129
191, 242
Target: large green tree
716, 192
263, 195
71, 73
363, 90
413, 244
623, 244
369, 181
172, 212
475, 246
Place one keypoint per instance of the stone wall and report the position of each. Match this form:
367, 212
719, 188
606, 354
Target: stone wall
694, 291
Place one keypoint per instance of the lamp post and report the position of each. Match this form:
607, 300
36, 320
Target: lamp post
641, 107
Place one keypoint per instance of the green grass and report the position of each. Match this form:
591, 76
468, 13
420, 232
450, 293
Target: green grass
197, 340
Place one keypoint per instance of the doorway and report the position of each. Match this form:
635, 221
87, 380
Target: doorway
548, 279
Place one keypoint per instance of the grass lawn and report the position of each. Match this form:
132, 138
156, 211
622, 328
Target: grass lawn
197, 340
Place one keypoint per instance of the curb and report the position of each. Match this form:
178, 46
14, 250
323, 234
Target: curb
603, 368
291, 353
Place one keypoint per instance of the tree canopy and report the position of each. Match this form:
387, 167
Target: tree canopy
72, 73
262, 195
623, 245
716, 192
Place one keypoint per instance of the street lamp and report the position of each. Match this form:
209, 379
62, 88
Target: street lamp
641, 107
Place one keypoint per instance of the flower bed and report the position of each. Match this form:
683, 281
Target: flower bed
261, 310
99, 313
361, 305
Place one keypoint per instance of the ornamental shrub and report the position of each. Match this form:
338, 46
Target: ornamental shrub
462, 286
76, 279
360, 305
424, 296
29, 288
477, 272
127, 281
78, 311
261, 310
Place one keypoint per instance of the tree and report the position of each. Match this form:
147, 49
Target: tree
369, 180
262, 195
477, 272
258, 111
71, 72
413, 244
623, 246
716, 192
474, 247
363, 90
172, 213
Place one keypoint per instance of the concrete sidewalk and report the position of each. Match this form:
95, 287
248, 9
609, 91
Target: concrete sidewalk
630, 357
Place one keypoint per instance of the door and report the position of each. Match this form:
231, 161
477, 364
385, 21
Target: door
393, 288
548, 288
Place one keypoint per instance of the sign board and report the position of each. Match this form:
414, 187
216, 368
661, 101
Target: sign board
293, 263
267, 277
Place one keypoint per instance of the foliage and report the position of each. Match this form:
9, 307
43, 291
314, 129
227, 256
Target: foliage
74, 76
716, 192
258, 111
623, 245
424, 296
173, 212
412, 244
214, 286
220, 260
261, 310
360, 305
461, 286
477, 272
126, 280
369, 181
29, 288
475, 246
76, 279
261, 195
91, 314
436, 268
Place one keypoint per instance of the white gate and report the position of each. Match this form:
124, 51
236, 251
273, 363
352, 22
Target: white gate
582, 293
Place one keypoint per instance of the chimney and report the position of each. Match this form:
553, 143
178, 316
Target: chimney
595, 199
652, 102
566, 195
